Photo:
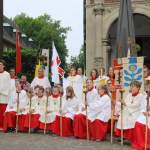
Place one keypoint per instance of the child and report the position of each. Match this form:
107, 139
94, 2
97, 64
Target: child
53, 106
80, 118
99, 115
34, 109
132, 106
71, 106
12, 110
139, 132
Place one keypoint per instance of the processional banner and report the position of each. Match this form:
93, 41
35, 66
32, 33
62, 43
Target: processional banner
132, 70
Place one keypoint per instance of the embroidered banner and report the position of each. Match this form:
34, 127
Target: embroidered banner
132, 70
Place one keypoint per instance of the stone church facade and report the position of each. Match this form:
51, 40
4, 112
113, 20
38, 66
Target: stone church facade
101, 27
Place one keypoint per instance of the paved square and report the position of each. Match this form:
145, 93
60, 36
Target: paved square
12, 141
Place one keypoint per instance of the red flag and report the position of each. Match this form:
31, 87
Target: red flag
18, 54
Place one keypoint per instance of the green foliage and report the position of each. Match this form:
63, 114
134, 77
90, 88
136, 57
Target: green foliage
79, 61
43, 30
29, 57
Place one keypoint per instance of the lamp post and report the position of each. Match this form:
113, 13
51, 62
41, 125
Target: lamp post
1, 28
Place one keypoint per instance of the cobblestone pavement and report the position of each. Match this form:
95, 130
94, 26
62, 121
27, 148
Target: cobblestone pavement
10, 141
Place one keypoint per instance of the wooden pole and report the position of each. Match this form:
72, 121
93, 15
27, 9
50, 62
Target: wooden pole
87, 122
30, 105
121, 91
121, 124
112, 115
146, 126
17, 112
60, 115
46, 105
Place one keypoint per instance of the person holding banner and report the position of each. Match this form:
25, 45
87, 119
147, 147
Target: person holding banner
80, 126
41, 80
71, 106
132, 106
5, 82
141, 134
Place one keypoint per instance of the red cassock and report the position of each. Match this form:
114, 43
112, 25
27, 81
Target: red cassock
127, 134
67, 126
9, 120
98, 130
21, 122
34, 121
138, 142
2, 111
49, 126
80, 127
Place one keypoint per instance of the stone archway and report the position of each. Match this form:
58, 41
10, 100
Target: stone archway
141, 13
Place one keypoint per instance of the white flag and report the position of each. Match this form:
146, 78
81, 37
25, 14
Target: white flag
55, 65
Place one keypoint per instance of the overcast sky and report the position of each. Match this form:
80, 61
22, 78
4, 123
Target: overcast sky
70, 12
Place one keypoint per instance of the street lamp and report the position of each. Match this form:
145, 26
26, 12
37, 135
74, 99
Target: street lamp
1, 28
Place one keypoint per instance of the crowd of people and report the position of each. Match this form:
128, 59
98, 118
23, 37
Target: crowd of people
80, 107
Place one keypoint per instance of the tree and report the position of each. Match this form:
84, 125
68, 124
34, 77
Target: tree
29, 57
44, 30
79, 61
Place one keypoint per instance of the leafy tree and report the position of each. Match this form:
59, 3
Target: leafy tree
29, 57
79, 61
44, 30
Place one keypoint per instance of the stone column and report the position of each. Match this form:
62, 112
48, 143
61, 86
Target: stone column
90, 38
98, 10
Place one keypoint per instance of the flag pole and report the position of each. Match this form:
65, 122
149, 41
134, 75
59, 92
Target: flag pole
112, 114
122, 92
17, 119
60, 109
30, 105
46, 105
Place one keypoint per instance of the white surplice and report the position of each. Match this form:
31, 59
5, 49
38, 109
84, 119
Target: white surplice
71, 106
5, 82
77, 83
100, 109
131, 111
53, 107
22, 101
44, 82
142, 118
